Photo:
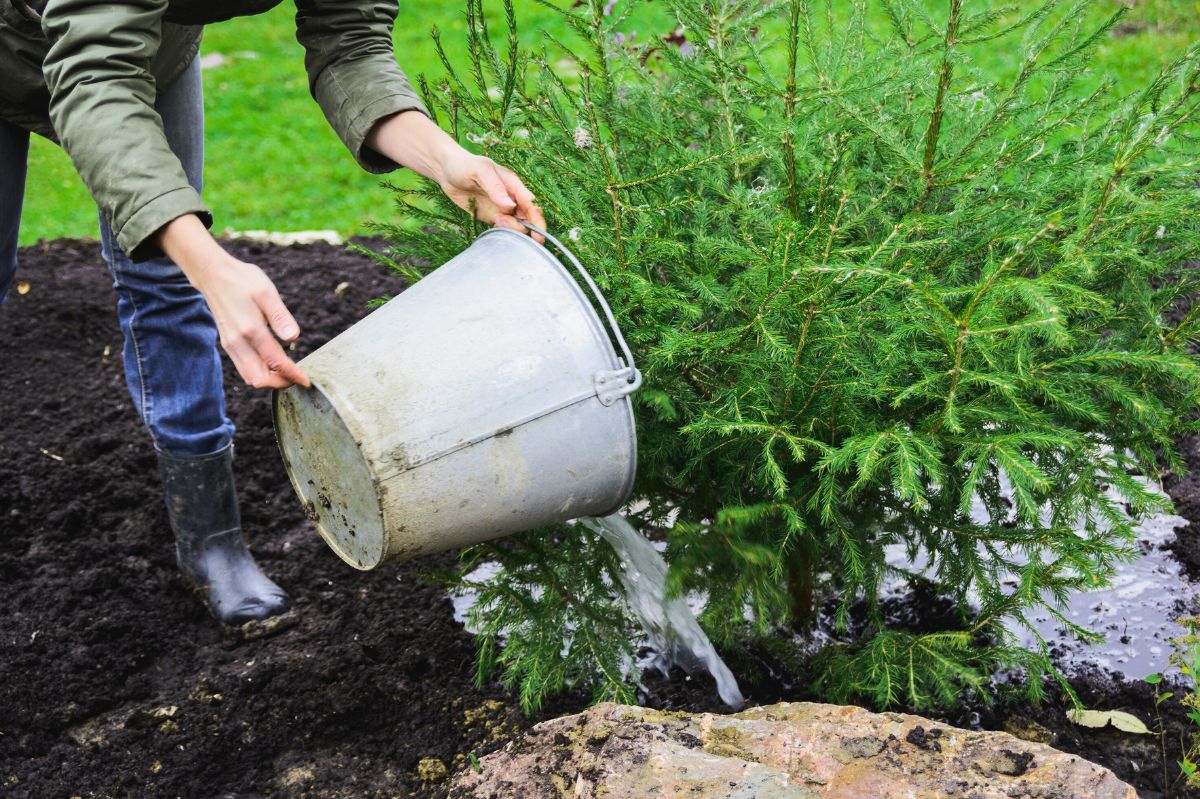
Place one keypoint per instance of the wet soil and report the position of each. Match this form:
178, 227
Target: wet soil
114, 682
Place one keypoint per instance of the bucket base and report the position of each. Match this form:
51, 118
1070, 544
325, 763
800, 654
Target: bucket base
331, 475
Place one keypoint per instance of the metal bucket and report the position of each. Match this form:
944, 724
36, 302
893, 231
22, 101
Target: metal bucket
485, 400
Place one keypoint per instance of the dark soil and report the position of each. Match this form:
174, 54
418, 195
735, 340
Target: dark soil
114, 681
1185, 490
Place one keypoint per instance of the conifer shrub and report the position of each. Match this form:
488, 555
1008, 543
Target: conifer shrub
869, 286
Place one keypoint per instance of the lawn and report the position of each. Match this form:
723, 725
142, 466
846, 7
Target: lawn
273, 163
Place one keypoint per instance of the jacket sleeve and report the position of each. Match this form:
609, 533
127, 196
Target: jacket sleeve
352, 70
102, 108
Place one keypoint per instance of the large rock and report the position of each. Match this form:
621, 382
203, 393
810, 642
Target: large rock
785, 751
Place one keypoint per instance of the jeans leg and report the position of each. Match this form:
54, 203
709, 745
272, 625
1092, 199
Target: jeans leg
14, 160
172, 365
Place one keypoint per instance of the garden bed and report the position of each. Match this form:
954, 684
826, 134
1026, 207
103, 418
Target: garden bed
114, 681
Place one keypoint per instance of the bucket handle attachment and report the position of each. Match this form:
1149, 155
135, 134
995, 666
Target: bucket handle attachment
610, 385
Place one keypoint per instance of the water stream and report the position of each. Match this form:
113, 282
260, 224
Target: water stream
670, 624
673, 635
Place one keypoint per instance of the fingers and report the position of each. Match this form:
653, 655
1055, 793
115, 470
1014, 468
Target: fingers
527, 208
275, 362
273, 358
246, 327
262, 363
277, 314
509, 221
250, 366
489, 181
497, 194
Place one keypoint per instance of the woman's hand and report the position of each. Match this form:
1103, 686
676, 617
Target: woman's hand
495, 193
244, 302
474, 182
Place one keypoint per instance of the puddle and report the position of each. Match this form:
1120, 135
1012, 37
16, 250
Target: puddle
1136, 613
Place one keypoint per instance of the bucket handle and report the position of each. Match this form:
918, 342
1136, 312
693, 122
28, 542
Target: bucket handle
610, 386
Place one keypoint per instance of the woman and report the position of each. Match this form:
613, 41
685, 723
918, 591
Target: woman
117, 84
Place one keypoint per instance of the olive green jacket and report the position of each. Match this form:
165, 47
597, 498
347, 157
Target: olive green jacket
86, 73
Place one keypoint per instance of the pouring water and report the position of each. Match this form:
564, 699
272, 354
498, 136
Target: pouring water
670, 624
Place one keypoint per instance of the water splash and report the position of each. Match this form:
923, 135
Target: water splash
669, 622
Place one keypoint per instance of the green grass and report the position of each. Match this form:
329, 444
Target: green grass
272, 162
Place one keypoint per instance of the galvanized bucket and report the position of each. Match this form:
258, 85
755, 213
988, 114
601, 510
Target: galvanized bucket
485, 400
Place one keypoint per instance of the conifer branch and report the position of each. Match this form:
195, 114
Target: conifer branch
789, 109
933, 131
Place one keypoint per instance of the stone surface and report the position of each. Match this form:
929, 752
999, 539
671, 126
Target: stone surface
785, 751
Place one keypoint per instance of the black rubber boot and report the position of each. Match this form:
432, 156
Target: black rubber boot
211, 549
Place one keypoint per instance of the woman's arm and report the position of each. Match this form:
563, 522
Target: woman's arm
102, 95
411, 139
102, 107
354, 77
243, 300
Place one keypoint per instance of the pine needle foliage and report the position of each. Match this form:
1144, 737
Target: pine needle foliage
881, 300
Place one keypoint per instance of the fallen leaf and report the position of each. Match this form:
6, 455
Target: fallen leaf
23, 287
1126, 722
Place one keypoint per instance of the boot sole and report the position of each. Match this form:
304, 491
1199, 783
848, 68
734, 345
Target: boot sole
251, 630
263, 628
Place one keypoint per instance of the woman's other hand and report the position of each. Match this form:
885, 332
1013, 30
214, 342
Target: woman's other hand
473, 182
245, 303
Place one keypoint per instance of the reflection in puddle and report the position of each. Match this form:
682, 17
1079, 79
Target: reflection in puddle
1136, 613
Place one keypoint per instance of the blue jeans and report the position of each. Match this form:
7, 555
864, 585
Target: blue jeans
172, 365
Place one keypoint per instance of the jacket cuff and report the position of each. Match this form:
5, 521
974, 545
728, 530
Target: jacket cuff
356, 95
136, 234
374, 162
